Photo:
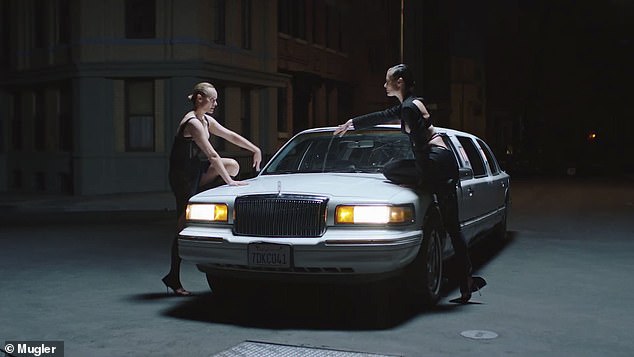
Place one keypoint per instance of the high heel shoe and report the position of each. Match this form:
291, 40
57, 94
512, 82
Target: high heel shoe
176, 286
474, 283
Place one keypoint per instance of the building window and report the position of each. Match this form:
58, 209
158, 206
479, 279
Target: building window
283, 16
139, 115
65, 119
40, 181
292, 18
219, 21
140, 19
333, 28
40, 27
66, 182
245, 112
2, 139
39, 122
246, 24
16, 124
16, 180
63, 21
282, 117
5, 28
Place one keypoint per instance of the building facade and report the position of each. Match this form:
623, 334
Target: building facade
92, 91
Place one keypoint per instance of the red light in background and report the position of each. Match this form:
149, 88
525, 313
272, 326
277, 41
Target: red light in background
592, 136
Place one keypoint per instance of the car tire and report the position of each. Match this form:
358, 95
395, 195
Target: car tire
424, 275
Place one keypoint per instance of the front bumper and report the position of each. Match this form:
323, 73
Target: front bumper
340, 253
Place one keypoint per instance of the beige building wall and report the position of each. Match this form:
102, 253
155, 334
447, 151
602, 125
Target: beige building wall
79, 63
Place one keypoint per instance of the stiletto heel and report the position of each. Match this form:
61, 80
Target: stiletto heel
477, 283
176, 287
473, 284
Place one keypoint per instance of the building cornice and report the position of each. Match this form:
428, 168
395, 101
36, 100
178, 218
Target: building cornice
171, 69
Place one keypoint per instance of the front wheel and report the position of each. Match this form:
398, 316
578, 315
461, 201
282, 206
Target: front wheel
424, 275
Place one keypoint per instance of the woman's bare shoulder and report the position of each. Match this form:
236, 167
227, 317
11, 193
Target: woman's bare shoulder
191, 124
211, 119
421, 107
187, 116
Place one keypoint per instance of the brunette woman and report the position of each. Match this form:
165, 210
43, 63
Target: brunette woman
434, 167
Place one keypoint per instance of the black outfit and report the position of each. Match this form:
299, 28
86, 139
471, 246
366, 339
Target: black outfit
433, 169
185, 172
186, 168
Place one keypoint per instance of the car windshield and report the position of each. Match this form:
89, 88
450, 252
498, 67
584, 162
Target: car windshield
357, 151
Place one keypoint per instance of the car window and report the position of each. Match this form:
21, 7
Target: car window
453, 149
493, 166
473, 155
358, 151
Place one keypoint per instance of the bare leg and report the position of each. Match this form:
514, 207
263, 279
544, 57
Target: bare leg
211, 174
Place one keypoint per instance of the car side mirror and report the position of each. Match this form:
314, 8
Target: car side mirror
465, 173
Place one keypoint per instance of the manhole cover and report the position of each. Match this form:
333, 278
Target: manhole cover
479, 334
264, 349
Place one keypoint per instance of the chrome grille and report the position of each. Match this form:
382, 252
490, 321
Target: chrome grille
280, 215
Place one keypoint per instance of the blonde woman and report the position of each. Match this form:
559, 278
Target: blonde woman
195, 163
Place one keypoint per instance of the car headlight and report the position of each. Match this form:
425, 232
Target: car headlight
209, 212
374, 214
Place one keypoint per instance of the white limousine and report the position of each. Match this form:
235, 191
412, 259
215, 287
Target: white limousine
321, 210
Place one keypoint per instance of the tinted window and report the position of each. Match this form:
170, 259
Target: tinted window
453, 149
473, 154
490, 158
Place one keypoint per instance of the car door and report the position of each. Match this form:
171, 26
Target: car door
499, 182
477, 206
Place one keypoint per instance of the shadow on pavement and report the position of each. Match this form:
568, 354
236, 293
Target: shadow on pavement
380, 305
278, 306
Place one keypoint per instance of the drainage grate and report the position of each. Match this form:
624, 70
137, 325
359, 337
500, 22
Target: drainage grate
265, 349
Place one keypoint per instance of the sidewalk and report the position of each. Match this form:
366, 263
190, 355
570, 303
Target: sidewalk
49, 207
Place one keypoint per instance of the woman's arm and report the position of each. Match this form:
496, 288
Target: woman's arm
199, 136
376, 118
236, 139
370, 120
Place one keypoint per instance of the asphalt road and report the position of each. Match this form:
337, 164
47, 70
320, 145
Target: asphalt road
561, 286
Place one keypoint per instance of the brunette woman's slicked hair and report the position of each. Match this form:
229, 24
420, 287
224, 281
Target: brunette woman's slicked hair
402, 71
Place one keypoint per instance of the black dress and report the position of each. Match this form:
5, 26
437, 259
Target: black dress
185, 172
186, 168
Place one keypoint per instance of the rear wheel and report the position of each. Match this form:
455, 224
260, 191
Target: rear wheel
424, 275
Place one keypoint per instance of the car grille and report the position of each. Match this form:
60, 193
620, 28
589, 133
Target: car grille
280, 216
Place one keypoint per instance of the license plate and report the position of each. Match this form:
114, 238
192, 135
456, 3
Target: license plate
269, 255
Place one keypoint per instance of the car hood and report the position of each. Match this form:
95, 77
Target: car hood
373, 187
